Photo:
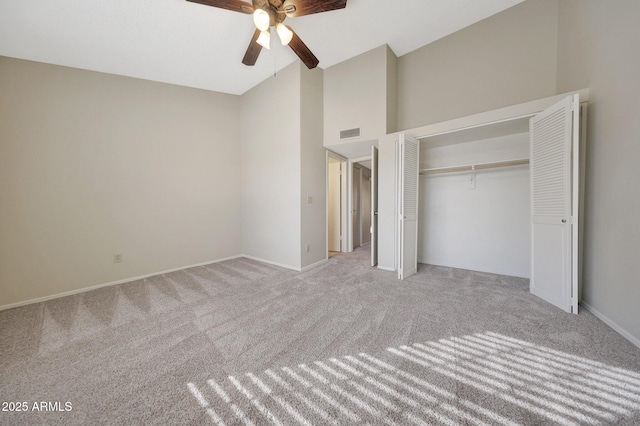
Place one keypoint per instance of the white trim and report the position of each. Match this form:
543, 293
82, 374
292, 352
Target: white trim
95, 287
348, 237
500, 115
313, 265
624, 333
259, 259
343, 197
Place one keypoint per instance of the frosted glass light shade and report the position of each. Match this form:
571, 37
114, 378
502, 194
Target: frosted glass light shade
264, 39
261, 19
284, 33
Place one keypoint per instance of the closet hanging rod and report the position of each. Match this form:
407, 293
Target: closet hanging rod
474, 167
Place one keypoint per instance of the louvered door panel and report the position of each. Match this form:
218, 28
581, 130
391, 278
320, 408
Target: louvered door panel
551, 134
408, 163
549, 162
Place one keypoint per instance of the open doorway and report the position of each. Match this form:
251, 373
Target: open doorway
362, 199
336, 204
351, 197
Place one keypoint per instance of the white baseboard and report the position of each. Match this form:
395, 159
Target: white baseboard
624, 333
313, 265
258, 259
94, 287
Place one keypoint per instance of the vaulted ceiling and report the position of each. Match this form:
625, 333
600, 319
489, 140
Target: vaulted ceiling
189, 44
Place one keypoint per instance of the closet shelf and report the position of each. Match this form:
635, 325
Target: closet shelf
474, 167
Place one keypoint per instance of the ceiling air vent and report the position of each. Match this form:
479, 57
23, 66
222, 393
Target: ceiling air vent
349, 133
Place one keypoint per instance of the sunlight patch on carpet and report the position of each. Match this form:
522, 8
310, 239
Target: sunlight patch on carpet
481, 379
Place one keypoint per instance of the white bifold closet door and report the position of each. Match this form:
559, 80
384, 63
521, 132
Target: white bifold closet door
408, 156
554, 204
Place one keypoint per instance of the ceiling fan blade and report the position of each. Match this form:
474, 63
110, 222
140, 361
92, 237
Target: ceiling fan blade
235, 5
295, 8
254, 49
303, 52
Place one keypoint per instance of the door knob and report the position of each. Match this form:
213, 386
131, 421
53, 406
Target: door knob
564, 220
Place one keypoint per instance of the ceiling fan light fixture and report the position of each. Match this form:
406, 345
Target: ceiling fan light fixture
284, 33
264, 39
261, 19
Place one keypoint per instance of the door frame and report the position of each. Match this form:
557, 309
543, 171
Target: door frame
375, 154
356, 205
351, 163
343, 200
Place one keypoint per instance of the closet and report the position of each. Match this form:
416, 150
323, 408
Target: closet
498, 192
474, 199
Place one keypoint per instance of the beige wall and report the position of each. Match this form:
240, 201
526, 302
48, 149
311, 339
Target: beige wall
312, 168
355, 95
283, 163
92, 165
392, 91
270, 158
503, 60
598, 47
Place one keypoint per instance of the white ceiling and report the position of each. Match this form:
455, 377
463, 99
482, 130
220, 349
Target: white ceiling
188, 44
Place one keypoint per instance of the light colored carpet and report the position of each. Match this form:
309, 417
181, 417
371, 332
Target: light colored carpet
242, 342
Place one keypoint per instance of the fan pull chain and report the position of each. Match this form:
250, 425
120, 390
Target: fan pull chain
275, 68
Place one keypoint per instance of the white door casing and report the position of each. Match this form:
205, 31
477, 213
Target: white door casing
554, 204
334, 205
374, 205
365, 205
356, 225
408, 155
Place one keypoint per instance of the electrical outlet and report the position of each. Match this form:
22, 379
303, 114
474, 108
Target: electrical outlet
309, 199
471, 181
117, 258
308, 248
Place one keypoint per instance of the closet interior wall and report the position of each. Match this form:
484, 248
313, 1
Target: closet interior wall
476, 220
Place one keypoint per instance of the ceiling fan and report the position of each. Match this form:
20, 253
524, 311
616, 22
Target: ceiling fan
271, 13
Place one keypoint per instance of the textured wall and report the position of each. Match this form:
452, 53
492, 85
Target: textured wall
598, 47
93, 165
271, 169
506, 59
312, 168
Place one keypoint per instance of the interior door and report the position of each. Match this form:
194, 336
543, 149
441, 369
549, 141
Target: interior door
408, 150
374, 205
554, 214
334, 205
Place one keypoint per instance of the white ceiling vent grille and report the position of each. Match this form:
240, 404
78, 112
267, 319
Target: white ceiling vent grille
349, 133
